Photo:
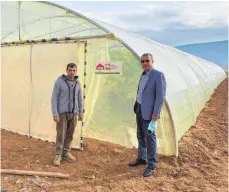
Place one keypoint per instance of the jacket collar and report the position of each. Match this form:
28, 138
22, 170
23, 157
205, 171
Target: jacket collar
144, 73
75, 78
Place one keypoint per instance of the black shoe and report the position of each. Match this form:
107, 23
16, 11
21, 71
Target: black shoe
148, 172
137, 162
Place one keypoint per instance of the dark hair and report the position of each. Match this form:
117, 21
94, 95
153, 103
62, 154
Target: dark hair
71, 65
148, 54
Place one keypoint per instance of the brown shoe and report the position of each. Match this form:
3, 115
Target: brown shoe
69, 157
57, 160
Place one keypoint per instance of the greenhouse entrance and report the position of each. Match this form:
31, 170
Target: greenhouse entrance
27, 83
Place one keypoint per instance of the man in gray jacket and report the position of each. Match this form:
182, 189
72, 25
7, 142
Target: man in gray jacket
67, 105
149, 101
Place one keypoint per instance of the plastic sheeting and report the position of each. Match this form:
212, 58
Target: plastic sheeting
109, 98
23, 21
16, 88
190, 80
109, 101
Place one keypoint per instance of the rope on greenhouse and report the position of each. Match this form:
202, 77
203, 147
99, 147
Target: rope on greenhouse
110, 36
84, 92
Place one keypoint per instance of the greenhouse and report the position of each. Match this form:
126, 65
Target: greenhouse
39, 39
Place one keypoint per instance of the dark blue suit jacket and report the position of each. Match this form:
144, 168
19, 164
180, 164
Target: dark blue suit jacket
153, 95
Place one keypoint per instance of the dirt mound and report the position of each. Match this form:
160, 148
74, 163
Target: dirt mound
201, 166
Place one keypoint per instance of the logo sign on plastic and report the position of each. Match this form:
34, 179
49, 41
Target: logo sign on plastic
108, 67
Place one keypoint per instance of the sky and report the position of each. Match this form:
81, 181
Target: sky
171, 23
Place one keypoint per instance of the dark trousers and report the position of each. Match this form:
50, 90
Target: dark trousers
65, 132
147, 143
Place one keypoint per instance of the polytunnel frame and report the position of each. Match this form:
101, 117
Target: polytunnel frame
110, 35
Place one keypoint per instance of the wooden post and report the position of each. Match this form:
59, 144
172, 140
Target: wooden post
25, 172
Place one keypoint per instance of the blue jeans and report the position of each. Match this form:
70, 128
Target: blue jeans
147, 143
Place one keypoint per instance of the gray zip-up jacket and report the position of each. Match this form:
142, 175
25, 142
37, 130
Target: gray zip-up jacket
62, 101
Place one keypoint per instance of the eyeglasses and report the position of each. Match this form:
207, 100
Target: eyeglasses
147, 61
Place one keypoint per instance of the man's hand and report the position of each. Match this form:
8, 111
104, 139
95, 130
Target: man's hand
80, 118
154, 118
56, 119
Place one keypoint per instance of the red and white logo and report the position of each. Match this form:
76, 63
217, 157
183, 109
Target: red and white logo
100, 67
109, 67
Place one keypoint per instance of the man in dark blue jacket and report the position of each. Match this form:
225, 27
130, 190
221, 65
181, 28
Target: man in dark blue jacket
149, 101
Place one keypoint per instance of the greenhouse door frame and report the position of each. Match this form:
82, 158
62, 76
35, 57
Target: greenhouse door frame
55, 41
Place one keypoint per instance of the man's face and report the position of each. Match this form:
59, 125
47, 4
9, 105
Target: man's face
71, 72
147, 62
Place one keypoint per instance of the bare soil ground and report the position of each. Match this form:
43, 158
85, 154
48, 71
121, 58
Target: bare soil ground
201, 166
